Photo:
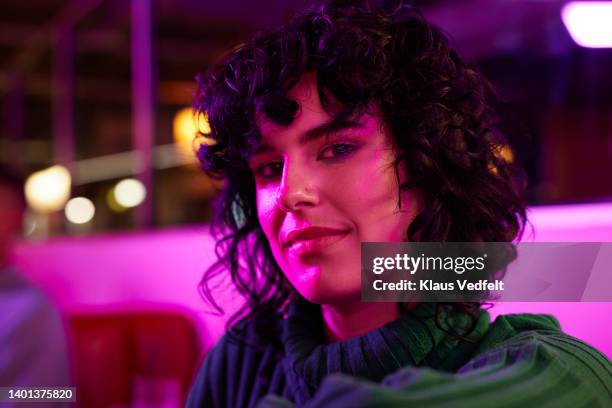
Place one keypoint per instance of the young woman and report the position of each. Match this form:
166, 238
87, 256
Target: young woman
358, 123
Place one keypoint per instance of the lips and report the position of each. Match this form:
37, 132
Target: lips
313, 240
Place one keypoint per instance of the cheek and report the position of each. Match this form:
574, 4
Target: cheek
371, 190
372, 200
266, 212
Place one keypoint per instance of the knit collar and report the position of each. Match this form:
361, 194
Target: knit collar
412, 339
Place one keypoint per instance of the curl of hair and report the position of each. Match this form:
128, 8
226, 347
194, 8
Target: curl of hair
439, 109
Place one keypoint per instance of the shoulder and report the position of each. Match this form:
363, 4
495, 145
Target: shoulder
243, 340
543, 331
237, 356
29, 309
537, 343
526, 321
506, 327
32, 330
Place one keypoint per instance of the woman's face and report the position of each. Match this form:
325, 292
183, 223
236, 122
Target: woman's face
322, 191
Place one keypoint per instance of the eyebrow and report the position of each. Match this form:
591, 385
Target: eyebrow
333, 126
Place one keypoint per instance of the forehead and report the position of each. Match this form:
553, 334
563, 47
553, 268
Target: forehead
310, 112
311, 116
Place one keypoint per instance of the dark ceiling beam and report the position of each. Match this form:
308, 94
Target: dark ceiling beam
116, 42
98, 39
42, 38
109, 91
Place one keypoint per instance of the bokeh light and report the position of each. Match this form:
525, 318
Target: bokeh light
185, 128
80, 210
48, 190
129, 193
589, 22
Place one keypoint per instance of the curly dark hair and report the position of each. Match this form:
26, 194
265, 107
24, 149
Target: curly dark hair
440, 110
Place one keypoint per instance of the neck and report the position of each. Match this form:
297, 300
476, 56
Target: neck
343, 322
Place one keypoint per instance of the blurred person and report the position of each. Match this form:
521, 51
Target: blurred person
358, 122
33, 351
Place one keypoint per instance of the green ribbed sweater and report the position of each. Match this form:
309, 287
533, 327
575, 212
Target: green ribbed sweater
516, 361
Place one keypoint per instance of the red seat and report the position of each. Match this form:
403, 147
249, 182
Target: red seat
133, 358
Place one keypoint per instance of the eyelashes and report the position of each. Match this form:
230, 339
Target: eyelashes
330, 153
269, 170
337, 150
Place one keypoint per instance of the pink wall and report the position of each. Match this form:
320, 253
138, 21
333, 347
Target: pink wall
162, 269
150, 270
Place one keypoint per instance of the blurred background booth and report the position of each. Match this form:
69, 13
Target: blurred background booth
95, 108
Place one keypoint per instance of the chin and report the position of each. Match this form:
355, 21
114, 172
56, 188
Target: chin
318, 289
325, 280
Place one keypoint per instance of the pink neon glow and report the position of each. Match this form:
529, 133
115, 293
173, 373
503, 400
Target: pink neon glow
570, 223
162, 269
589, 23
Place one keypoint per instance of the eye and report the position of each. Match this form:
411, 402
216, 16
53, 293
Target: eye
269, 170
337, 151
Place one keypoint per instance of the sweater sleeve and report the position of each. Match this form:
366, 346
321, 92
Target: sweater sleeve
206, 389
530, 369
231, 374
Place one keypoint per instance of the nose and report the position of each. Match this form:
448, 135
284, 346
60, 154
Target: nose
297, 188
